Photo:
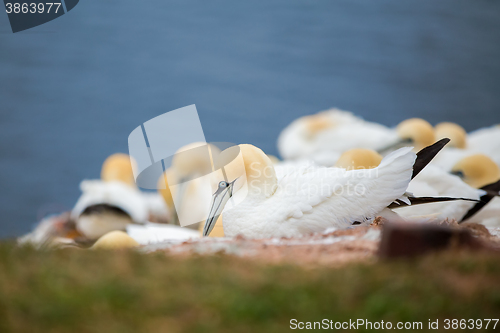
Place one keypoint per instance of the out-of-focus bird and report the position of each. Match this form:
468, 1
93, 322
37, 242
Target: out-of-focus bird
323, 137
110, 203
115, 240
185, 186
482, 172
307, 201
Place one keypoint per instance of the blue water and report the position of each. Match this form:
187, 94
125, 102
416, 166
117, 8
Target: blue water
73, 89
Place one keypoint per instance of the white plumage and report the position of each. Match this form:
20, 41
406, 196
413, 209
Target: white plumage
150, 233
316, 198
486, 141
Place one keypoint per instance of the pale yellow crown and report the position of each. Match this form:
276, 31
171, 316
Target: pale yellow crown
418, 130
454, 132
478, 170
316, 123
359, 158
118, 167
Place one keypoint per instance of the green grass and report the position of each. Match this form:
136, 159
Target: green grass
86, 291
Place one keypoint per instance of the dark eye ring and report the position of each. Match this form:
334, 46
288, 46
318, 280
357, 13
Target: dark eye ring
223, 184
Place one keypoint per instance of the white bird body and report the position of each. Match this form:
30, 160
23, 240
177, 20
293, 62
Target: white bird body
432, 181
150, 233
333, 132
111, 193
316, 198
448, 157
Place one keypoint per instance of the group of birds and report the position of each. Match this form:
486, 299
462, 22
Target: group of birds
338, 171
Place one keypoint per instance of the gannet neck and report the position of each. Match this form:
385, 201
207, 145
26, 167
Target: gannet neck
260, 174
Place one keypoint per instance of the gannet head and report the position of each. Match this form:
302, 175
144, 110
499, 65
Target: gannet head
251, 170
359, 158
118, 167
115, 240
316, 123
417, 131
477, 170
453, 131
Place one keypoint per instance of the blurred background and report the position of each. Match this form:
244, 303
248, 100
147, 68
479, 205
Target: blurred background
73, 89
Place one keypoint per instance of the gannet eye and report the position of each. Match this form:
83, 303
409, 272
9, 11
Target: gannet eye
223, 184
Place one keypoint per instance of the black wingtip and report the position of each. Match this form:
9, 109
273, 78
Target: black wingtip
423, 200
492, 190
426, 155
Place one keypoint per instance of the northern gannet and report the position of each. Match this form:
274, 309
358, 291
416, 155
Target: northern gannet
323, 137
305, 201
110, 203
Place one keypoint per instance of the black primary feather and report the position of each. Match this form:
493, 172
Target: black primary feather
423, 200
426, 155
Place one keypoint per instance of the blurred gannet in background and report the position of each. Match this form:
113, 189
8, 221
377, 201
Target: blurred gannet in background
115, 240
110, 203
484, 141
482, 172
359, 158
306, 201
118, 167
107, 206
183, 188
324, 136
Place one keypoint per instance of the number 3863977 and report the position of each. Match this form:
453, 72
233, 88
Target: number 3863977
32, 8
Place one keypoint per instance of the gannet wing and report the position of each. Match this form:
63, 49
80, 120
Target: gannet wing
347, 195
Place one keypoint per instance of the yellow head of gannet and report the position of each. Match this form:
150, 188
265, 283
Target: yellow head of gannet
477, 170
115, 240
418, 131
313, 124
118, 167
359, 158
454, 132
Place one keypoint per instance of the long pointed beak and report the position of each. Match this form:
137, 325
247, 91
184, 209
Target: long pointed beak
398, 144
219, 200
